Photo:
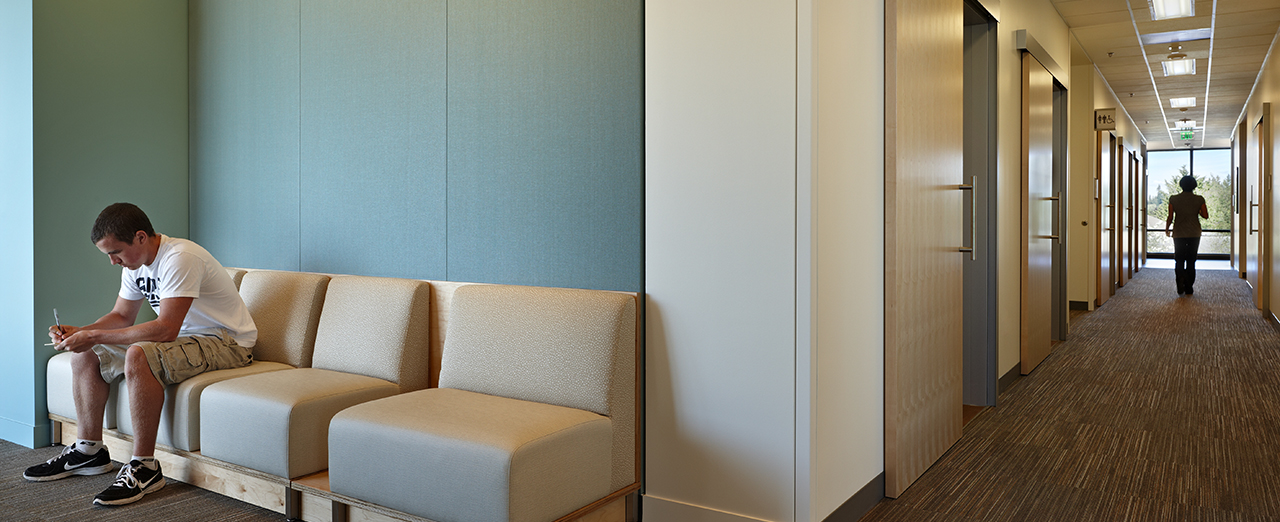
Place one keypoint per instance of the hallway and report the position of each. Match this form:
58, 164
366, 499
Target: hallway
1157, 407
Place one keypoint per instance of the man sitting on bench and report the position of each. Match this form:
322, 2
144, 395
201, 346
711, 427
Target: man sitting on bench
202, 325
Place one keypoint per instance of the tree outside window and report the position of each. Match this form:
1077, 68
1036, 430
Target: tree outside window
1212, 173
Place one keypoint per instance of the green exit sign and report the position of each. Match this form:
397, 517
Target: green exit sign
1188, 134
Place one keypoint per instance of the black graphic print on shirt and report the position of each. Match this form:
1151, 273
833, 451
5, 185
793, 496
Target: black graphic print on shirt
150, 288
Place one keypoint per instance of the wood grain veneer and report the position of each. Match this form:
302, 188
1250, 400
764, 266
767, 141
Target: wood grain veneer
924, 100
1102, 181
1254, 213
1037, 213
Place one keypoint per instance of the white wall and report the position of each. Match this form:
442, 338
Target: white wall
1082, 239
1042, 21
720, 263
764, 257
1089, 92
847, 358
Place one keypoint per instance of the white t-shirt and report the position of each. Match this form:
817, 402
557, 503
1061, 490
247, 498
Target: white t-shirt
184, 269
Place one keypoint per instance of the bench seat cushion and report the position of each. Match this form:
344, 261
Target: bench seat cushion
61, 400
277, 423
180, 416
455, 455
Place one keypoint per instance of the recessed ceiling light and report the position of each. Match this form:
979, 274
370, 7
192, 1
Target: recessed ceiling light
1177, 103
1184, 124
1166, 9
1179, 67
1187, 35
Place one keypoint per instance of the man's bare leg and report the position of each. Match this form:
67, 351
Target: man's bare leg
90, 457
90, 392
146, 399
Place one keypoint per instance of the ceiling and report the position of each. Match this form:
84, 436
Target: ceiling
1228, 39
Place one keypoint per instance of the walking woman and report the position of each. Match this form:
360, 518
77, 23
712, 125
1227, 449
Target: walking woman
1185, 210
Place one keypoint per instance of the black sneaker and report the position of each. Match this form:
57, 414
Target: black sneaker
132, 482
70, 462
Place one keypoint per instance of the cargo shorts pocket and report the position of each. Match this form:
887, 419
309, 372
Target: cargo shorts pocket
178, 361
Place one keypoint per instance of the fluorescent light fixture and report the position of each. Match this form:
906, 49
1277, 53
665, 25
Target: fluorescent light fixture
1184, 124
1179, 67
1189, 35
1166, 9
1179, 103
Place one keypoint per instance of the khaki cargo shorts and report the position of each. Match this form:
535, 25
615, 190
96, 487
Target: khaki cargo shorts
173, 362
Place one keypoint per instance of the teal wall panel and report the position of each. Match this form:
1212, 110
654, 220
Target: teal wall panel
108, 123
461, 140
245, 182
17, 288
373, 137
545, 143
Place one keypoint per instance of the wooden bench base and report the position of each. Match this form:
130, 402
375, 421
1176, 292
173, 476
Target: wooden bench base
307, 498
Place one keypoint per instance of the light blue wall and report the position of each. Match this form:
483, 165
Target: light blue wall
466, 140
17, 287
107, 122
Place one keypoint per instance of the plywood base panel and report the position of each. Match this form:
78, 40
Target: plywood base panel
233, 481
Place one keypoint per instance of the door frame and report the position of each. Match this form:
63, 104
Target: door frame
981, 351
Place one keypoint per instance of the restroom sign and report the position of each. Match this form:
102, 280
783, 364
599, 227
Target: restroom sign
1104, 119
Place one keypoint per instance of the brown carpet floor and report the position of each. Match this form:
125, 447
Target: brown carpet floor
71, 499
1157, 407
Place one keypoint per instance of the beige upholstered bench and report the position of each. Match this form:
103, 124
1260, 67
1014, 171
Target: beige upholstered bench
181, 409
534, 417
286, 308
371, 343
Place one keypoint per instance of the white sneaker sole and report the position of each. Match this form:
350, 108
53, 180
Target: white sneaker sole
95, 470
159, 483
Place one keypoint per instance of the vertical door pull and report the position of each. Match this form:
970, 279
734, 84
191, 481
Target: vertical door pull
973, 221
1252, 205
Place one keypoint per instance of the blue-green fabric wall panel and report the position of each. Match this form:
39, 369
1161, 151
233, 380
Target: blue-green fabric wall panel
110, 124
245, 155
545, 142
373, 137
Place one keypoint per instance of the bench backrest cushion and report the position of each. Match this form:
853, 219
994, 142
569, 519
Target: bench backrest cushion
286, 308
377, 327
567, 347
236, 274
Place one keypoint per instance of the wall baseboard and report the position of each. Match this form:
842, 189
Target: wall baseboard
657, 509
860, 503
1077, 305
1008, 379
23, 433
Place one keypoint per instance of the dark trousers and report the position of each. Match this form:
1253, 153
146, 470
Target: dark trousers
1184, 261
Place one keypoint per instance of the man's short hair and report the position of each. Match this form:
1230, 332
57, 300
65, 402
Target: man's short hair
122, 221
1187, 183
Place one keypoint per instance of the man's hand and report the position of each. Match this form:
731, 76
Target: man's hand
71, 338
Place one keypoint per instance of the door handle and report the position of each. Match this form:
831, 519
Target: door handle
1252, 220
1062, 219
973, 219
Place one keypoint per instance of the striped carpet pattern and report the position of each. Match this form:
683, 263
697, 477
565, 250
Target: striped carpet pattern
71, 499
1157, 407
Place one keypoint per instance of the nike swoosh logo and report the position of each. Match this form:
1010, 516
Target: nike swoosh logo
69, 467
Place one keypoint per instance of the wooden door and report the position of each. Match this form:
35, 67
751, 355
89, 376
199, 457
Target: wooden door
1113, 213
1240, 230
1266, 229
1135, 215
1254, 214
1122, 214
1102, 216
924, 271
1037, 212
